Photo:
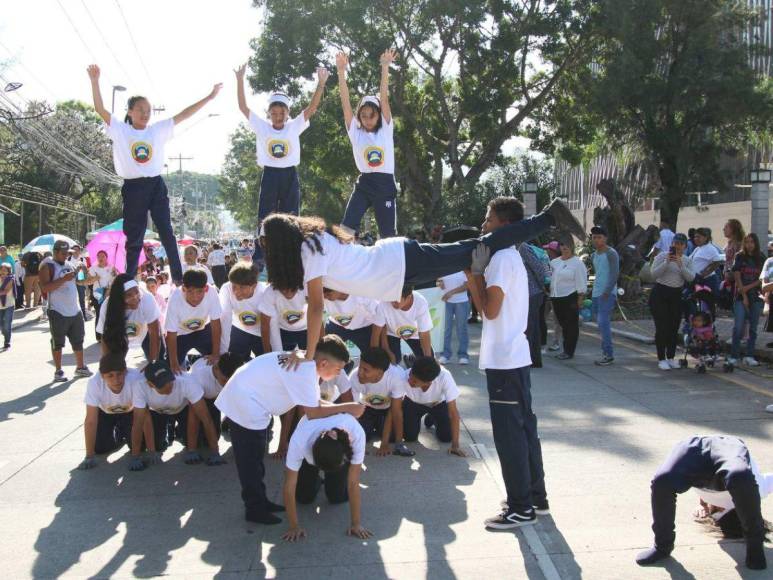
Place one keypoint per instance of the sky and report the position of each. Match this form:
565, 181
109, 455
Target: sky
182, 48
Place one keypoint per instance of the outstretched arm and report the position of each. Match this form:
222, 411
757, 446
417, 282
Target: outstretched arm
322, 75
387, 59
188, 112
346, 104
96, 94
240, 90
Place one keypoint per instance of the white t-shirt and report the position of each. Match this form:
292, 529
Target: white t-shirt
379, 395
98, 394
243, 314
353, 313
183, 318
210, 279
185, 391
405, 324
452, 282
262, 388
704, 255
308, 431
374, 152
105, 276
201, 373
443, 388
334, 388
376, 271
503, 343
290, 313
216, 258
136, 320
278, 148
139, 153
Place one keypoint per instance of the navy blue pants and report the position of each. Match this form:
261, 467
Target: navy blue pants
376, 190
412, 414
717, 463
249, 447
515, 436
309, 483
425, 263
280, 192
292, 339
201, 340
161, 348
181, 425
113, 431
167, 428
394, 346
359, 336
244, 343
140, 196
372, 422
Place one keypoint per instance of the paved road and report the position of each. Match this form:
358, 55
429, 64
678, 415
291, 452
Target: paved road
604, 431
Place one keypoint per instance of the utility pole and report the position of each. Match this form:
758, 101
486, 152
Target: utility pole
180, 160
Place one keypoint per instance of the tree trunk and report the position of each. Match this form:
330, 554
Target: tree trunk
672, 196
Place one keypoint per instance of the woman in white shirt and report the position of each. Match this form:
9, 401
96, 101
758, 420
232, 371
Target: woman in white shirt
706, 258
216, 263
138, 156
568, 284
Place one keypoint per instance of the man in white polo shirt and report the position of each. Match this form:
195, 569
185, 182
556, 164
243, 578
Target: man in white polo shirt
499, 288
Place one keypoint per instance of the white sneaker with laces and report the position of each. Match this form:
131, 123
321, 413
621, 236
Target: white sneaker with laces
442, 360
664, 366
674, 364
750, 361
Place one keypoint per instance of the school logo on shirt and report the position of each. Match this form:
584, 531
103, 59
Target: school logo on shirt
117, 409
377, 401
194, 324
169, 410
292, 316
343, 319
132, 329
325, 395
248, 318
374, 156
142, 152
278, 148
406, 331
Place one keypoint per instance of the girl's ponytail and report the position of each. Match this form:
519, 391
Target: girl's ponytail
114, 332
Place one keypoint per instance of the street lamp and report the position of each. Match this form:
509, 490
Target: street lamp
760, 179
530, 197
116, 88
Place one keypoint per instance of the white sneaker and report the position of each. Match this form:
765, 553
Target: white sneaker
664, 366
769, 408
463, 360
731, 360
554, 347
750, 361
674, 364
442, 360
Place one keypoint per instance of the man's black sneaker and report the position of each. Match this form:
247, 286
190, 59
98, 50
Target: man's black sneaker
649, 557
604, 361
509, 519
541, 508
564, 220
266, 518
274, 507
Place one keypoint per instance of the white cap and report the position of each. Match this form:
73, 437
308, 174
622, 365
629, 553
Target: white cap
280, 98
370, 99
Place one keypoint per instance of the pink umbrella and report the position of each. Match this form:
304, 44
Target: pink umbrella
113, 243
185, 241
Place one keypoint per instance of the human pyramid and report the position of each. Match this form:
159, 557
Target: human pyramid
302, 369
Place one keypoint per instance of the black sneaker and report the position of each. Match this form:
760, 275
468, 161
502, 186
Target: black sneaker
266, 518
542, 508
564, 220
510, 519
274, 507
605, 361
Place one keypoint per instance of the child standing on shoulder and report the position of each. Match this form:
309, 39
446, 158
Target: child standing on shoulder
279, 148
371, 132
138, 156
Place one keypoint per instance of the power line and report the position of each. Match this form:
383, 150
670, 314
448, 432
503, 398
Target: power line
136, 48
77, 32
107, 44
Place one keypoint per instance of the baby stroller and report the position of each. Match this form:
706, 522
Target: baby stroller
700, 333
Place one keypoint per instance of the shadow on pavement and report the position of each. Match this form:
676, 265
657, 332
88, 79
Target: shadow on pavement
33, 402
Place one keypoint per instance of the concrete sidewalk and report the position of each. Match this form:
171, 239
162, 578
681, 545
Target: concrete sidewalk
604, 432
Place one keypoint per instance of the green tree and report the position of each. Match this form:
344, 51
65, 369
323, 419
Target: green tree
672, 80
469, 77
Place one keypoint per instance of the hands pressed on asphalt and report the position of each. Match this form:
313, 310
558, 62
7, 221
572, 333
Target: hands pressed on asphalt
294, 534
215, 459
192, 458
359, 532
88, 463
